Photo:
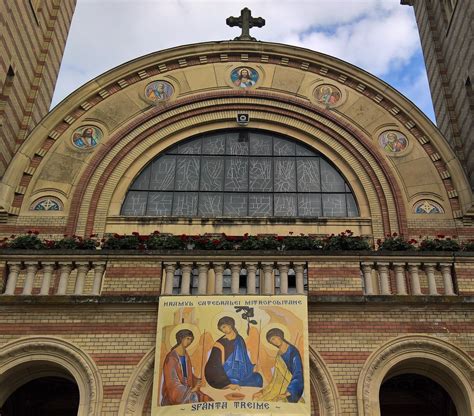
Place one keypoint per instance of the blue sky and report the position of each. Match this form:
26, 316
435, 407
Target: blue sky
379, 36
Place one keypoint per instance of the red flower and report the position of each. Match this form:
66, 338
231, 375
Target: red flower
215, 242
280, 238
156, 232
379, 242
440, 236
30, 232
290, 232
394, 235
136, 233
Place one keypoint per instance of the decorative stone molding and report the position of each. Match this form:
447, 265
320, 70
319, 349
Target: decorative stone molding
136, 391
322, 382
451, 362
59, 353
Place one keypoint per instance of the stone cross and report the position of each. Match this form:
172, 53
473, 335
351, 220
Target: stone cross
246, 22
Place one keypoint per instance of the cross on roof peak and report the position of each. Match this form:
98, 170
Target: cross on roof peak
246, 22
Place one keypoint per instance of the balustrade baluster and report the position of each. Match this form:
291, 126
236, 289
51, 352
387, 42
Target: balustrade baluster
65, 271
219, 275
430, 274
299, 275
48, 268
400, 278
414, 279
367, 272
447, 278
31, 269
170, 270
283, 270
186, 269
251, 278
82, 269
384, 278
202, 278
14, 271
99, 269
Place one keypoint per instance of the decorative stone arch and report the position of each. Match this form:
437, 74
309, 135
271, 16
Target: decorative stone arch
322, 383
30, 358
431, 357
138, 387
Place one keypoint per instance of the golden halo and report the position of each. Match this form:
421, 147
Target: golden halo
193, 328
263, 336
240, 325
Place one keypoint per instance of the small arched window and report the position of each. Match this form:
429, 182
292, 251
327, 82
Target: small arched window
240, 173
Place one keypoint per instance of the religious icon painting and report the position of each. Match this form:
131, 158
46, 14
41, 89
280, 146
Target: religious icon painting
232, 355
393, 142
244, 77
87, 137
158, 91
328, 95
427, 207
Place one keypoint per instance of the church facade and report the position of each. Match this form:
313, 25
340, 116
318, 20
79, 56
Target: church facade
239, 139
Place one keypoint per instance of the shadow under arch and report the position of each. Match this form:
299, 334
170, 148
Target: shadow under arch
30, 358
431, 357
323, 384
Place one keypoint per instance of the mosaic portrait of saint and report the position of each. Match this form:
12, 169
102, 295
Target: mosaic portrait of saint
327, 94
158, 91
244, 77
86, 137
393, 141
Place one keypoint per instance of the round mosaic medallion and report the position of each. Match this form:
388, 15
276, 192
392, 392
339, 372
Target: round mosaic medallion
157, 91
393, 141
47, 204
87, 137
244, 77
327, 94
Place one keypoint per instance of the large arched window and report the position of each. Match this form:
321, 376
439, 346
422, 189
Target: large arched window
240, 173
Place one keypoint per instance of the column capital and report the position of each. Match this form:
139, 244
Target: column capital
367, 263
399, 264
411, 264
218, 266
186, 266
48, 265
82, 265
14, 265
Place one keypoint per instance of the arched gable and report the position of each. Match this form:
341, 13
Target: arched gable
339, 110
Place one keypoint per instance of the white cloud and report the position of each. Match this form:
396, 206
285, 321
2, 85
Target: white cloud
376, 35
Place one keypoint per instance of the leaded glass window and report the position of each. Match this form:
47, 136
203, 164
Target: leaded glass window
240, 173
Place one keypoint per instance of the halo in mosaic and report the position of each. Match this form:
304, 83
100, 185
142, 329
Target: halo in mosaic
157, 91
244, 77
427, 207
86, 137
327, 94
46, 204
393, 141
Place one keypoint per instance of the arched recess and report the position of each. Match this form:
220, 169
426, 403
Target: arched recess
140, 383
323, 384
428, 356
138, 387
102, 189
29, 358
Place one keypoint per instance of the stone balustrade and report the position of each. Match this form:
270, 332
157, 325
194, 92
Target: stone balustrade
408, 278
36, 277
194, 272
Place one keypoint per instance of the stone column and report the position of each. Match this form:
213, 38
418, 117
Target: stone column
299, 274
251, 278
169, 269
202, 278
268, 275
82, 269
367, 272
430, 274
283, 269
99, 269
235, 277
31, 269
414, 278
384, 279
447, 278
186, 269
219, 273
400, 278
65, 271
48, 269
14, 271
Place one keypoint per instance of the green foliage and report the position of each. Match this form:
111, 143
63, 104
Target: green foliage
396, 242
157, 241
29, 241
440, 243
260, 242
345, 241
302, 242
73, 243
468, 246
